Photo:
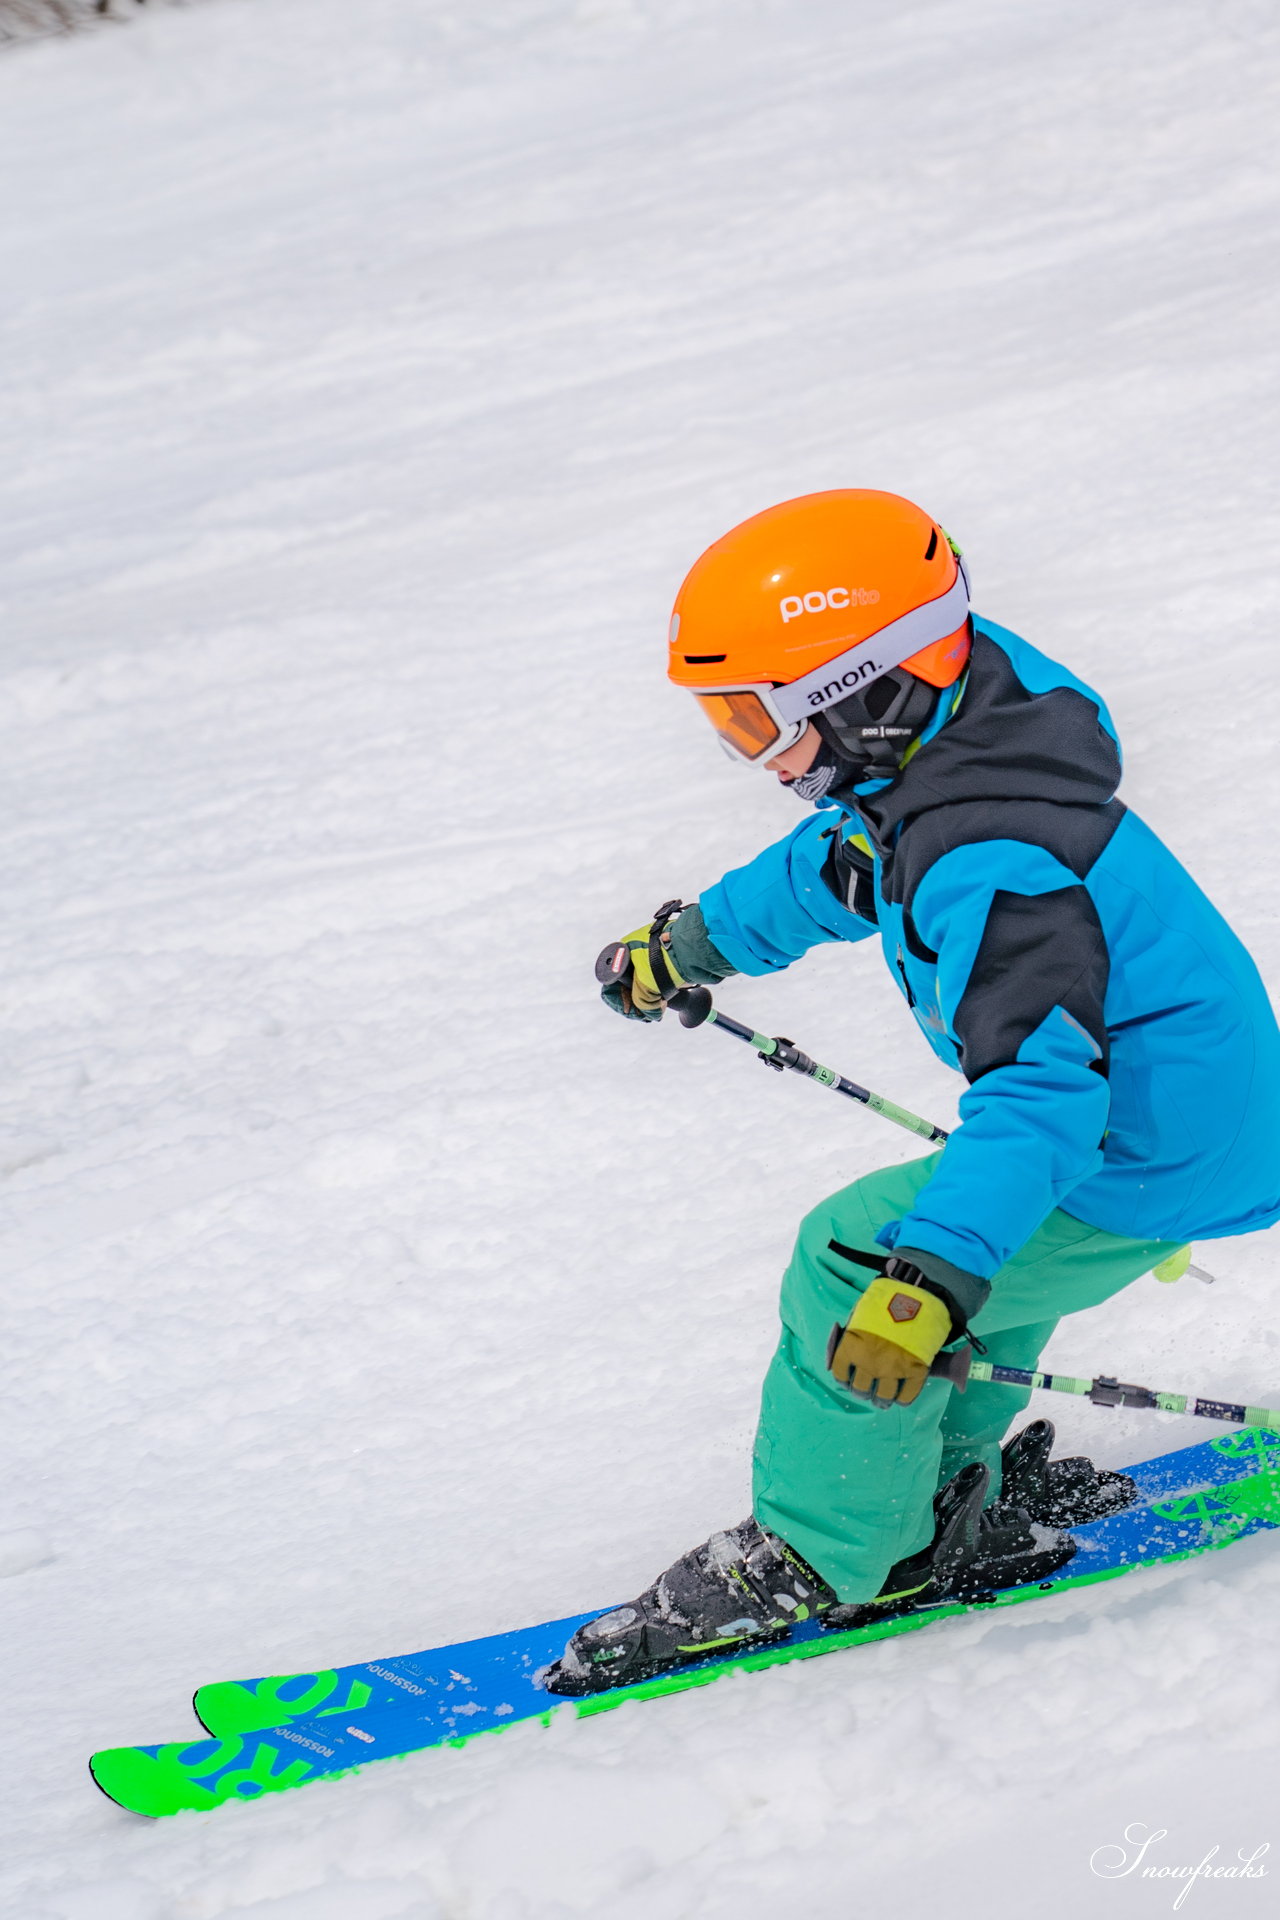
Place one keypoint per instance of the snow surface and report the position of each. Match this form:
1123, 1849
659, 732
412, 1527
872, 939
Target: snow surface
371, 375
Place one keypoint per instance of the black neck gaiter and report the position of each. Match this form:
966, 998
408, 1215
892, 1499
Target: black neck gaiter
866, 736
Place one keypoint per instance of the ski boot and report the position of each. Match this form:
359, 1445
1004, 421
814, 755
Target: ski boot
972, 1555
1058, 1493
743, 1586
748, 1585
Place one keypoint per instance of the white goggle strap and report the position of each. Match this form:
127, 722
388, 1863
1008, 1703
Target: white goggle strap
849, 672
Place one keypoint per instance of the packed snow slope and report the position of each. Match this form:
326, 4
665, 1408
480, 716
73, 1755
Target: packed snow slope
371, 375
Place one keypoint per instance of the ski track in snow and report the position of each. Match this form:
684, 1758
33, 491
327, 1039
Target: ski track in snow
370, 377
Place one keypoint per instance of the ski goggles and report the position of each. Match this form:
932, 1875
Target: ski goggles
755, 720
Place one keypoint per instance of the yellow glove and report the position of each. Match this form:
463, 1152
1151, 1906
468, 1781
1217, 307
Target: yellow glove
626, 972
884, 1351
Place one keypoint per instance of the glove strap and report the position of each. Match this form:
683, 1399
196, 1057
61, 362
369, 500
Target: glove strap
898, 1269
908, 1272
664, 979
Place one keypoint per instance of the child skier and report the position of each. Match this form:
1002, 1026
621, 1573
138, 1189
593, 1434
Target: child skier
1122, 1057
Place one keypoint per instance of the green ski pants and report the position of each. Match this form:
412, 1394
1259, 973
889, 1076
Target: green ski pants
850, 1486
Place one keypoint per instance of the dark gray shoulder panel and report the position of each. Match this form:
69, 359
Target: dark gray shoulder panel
1007, 742
1077, 836
1038, 951
1009, 765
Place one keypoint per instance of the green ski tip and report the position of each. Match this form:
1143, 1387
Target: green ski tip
148, 1783
227, 1707
159, 1780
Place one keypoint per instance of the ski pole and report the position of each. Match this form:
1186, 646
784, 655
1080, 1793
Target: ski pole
1103, 1391
693, 1004
695, 1008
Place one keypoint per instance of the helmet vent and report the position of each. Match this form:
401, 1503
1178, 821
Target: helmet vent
932, 547
704, 659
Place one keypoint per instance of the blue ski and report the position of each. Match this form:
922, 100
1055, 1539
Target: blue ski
284, 1730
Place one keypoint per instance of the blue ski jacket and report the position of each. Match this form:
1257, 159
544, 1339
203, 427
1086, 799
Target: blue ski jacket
1123, 1058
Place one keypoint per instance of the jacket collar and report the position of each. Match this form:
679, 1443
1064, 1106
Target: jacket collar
1003, 742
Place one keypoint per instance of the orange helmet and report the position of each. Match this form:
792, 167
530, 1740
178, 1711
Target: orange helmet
810, 601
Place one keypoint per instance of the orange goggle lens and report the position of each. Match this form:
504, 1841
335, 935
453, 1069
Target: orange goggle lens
743, 720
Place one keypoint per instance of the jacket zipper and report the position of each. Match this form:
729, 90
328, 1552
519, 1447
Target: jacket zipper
906, 984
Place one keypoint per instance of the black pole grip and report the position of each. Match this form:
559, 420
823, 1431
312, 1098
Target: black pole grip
693, 1004
953, 1367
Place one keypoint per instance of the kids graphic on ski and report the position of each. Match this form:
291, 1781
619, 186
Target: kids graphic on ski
1121, 1054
